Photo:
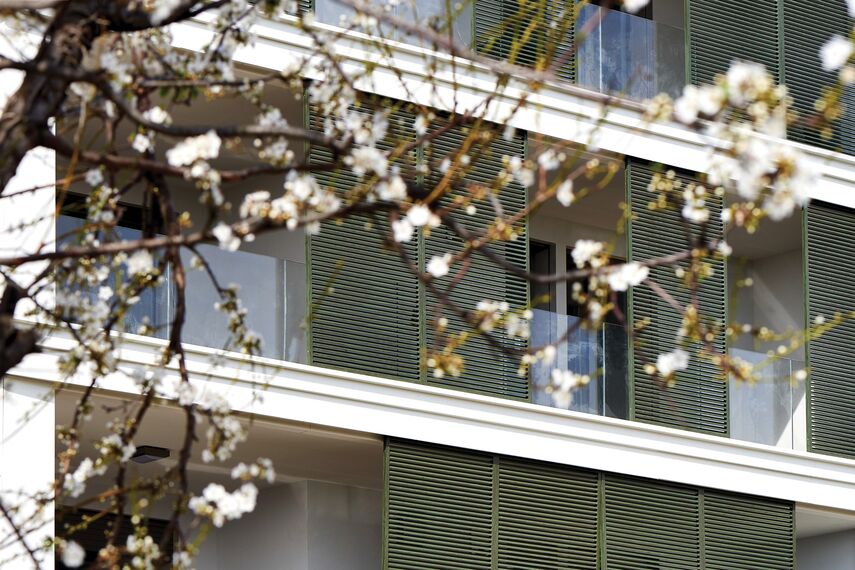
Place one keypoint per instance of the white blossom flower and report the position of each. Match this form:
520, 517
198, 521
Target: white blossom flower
627, 275
420, 125
586, 251
191, 149
402, 230
564, 193
140, 262
186, 393
836, 52
745, 81
634, 6
94, 177
671, 362
517, 326
142, 143
73, 554
157, 115
724, 248
226, 237
687, 106
162, 10
549, 160
392, 190
75, 483
438, 266
367, 159
219, 505
420, 215
563, 384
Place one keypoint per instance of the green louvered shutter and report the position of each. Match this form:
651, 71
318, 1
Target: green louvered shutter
807, 26
500, 25
831, 390
370, 321
698, 400
439, 505
747, 533
487, 369
650, 525
721, 31
547, 516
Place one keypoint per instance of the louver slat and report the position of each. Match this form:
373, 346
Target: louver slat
547, 517
698, 400
830, 255
500, 26
370, 321
439, 508
721, 31
487, 369
807, 26
650, 525
747, 533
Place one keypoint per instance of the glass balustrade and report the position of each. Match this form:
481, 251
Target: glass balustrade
630, 56
272, 290
599, 353
771, 409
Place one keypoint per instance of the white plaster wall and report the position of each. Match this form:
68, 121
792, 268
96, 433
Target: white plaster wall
826, 552
344, 527
27, 451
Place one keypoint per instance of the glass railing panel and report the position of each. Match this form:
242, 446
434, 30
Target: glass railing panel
599, 353
630, 56
768, 410
272, 290
418, 12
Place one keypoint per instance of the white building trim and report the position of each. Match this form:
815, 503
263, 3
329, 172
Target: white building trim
294, 392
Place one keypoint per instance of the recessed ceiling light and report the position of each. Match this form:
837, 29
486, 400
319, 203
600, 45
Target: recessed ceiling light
149, 453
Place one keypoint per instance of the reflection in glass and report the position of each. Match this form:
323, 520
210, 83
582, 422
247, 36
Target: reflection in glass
766, 411
630, 56
420, 12
600, 353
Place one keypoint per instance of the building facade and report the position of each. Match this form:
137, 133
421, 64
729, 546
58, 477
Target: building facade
383, 465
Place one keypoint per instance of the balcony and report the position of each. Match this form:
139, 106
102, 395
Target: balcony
273, 291
630, 56
770, 410
600, 353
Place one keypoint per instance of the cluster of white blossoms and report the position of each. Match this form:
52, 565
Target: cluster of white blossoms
75, 483
195, 152
517, 324
669, 363
112, 447
73, 555
627, 275
439, 265
753, 162
262, 468
144, 552
588, 252
302, 197
564, 382
219, 505
275, 151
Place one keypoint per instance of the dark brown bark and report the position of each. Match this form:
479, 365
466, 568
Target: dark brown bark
15, 343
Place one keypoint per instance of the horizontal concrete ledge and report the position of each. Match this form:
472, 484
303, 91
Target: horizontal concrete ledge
373, 405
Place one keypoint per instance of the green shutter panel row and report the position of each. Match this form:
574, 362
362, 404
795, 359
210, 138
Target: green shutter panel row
438, 508
370, 321
452, 508
547, 516
698, 400
488, 370
747, 533
502, 30
830, 256
807, 26
650, 525
721, 31
373, 318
